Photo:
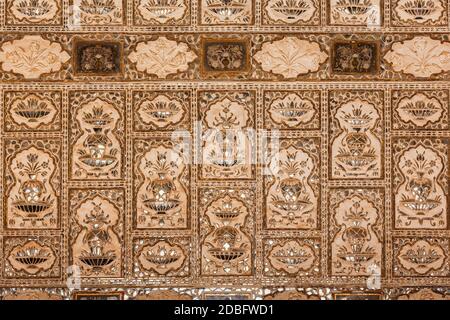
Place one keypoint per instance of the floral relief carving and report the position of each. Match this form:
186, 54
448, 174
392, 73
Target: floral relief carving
226, 222
356, 144
162, 257
162, 110
293, 185
292, 109
161, 185
227, 149
32, 195
421, 257
37, 111
293, 258
420, 110
96, 231
420, 12
290, 57
356, 12
97, 12
33, 12
162, 11
226, 12
32, 56
290, 11
421, 191
421, 56
356, 232
31, 257
162, 57
97, 123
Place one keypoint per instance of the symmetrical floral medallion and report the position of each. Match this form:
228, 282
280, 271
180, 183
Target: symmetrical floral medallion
226, 12
290, 57
356, 134
162, 12
405, 13
297, 257
292, 110
355, 12
292, 184
161, 184
420, 110
32, 56
161, 257
355, 57
162, 57
33, 12
162, 110
225, 57
228, 135
97, 12
291, 12
356, 231
32, 111
421, 57
32, 183
97, 134
31, 257
421, 257
99, 58
420, 194
96, 231
226, 221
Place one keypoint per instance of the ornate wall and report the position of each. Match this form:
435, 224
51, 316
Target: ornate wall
244, 149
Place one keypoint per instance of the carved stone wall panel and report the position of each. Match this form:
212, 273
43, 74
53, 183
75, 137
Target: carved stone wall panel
28, 258
161, 182
162, 257
421, 257
96, 235
356, 126
162, 110
224, 149
97, 121
32, 183
32, 111
228, 134
292, 184
420, 110
420, 186
292, 110
227, 222
292, 258
356, 231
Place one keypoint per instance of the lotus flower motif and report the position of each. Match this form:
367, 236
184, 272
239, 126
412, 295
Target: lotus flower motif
31, 257
419, 11
162, 57
292, 257
162, 10
421, 56
291, 57
421, 257
162, 257
290, 11
34, 10
420, 110
32, 56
